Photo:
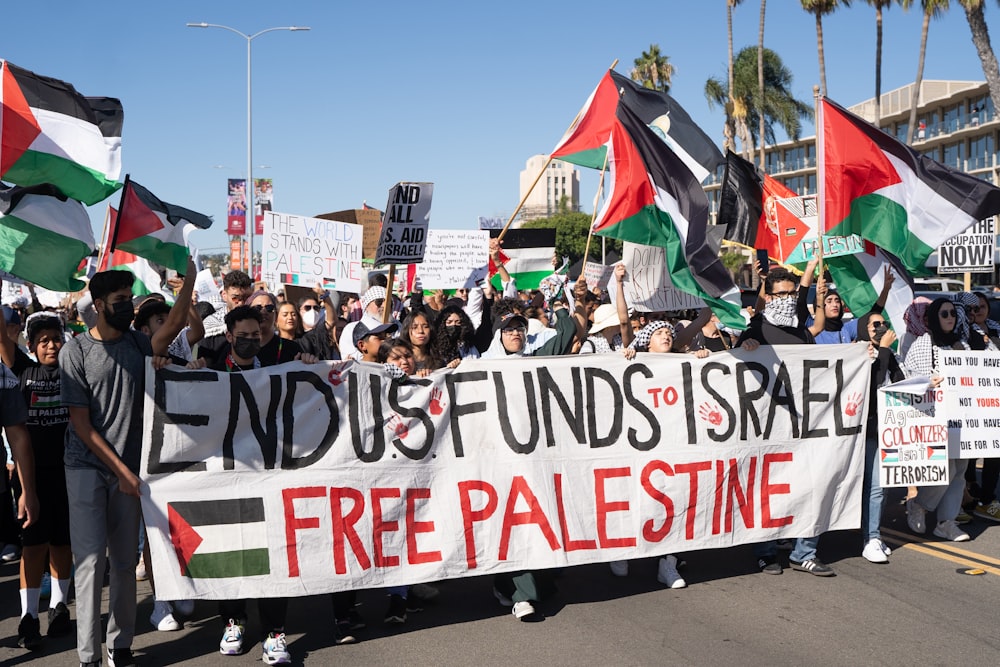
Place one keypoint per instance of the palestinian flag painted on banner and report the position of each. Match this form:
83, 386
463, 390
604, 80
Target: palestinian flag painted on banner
147, 279
527, 256
216, 539
43, 236
889, 455
653, 199
156, 230
585, 143
49, 133
892, 195
748, 209
859, 279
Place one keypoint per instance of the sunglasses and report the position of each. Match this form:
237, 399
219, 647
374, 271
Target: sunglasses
308, 307
269, 308
946, 313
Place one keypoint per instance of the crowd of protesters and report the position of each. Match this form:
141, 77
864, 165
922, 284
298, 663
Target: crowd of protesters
71, 408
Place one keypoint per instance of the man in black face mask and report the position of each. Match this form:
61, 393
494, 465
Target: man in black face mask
102, 375
243, 335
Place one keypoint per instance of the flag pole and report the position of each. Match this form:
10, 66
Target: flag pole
820, 174
103, 254
121, 210
540, 173
590, 232
387, 306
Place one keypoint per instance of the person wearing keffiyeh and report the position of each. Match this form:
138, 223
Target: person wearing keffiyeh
944, 332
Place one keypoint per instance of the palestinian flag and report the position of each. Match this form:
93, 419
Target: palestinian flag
859, 279
150, 228
147, 279
749, 210
217, 539
43, 236
653, 199
889, 455
49, 133
892, 195
46, 400
527, 255
585, 143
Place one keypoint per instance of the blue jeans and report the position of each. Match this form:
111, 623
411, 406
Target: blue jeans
805, 549
872, 495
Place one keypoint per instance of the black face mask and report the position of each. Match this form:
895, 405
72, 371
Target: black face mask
119, 315
246, 348
453, 332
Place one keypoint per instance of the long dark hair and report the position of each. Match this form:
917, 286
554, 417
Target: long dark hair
443, 347
938, 336
404, 335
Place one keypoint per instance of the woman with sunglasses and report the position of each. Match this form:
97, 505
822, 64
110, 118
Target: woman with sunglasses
946, 330
310, 312
274, 349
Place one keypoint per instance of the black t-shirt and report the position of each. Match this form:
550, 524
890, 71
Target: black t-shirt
277, 351
47, 416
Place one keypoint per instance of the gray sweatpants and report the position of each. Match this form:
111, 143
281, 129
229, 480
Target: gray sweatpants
104, 523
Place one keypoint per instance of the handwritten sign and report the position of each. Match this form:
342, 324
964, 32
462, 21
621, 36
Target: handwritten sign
596, 275
404, 225
912, 435
647, 282
305, 251
972, 402
454, 258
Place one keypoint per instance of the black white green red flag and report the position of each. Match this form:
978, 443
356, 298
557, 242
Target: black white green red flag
50, 133
652, 198
860, 277
890, 194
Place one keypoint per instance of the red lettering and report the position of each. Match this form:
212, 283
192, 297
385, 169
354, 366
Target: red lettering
655, 393
293, 523
743, 500
767, 490
413, 527
717, 508
343, 527
469, 518
519, 487
604, 507
692, 470
649, 532
568, 544
380, 526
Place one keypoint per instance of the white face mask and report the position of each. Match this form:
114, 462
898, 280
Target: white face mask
310, 318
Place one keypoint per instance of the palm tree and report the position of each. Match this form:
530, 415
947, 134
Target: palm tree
879, 6
729, 129
932, 8
981, 38
653, 70
760, 79
778, 106
821, 8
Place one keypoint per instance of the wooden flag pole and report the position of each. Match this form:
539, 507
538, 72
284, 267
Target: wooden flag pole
387, 306
540, 173
590, 232
820, 174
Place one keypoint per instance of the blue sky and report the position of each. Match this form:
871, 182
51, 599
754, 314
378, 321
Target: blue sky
457, 93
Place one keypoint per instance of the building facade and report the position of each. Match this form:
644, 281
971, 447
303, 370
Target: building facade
558, 189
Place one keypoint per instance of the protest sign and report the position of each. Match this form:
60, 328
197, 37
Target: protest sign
972, 403
404, 224
912, 435
597, 275
969, 252
491, 223
647, 281
795, 221
304, 479
306, 251
205, 286
454, 258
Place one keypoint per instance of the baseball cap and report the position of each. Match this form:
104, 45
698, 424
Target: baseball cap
361, 330
10, 316
509, 320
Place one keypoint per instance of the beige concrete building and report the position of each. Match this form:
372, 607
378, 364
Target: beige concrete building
561, 182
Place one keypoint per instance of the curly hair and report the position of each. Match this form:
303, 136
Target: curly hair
404, 335
442, 347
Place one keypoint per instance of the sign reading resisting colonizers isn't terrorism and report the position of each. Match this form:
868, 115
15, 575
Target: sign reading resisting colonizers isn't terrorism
303, 479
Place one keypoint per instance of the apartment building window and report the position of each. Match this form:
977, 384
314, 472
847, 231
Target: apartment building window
810, 184
901, 131
954, 118
772, 161
981, 152
954, 155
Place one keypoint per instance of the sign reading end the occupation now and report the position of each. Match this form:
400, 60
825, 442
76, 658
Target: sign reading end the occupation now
404, 225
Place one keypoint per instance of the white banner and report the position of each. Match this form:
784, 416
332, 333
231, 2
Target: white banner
454, 258
647, 282
298, 480
912, 435
971, 251
305, 251
972, 403
404, 224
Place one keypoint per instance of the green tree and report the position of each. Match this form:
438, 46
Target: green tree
653, 70
821, 8
571, 235
932, 9
981, 39
778, 106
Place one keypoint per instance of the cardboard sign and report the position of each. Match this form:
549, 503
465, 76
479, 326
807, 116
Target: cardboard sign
912, 435
404, 224
305, 251
972, 403
647, 282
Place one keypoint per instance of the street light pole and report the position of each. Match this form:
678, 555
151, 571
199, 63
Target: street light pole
251, 214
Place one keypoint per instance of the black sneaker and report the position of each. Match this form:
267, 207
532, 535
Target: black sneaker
120, 657
342, 633
396, 614
59, 623
28, 635
354, 621
813, 566
769, 565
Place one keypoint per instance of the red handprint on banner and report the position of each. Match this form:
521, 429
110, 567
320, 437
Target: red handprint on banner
398, 426
436, 406
852, 405
710, 413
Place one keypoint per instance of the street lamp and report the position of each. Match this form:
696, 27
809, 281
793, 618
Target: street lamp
251, 213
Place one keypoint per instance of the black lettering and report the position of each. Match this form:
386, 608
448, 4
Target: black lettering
503, 413
457, 410
288, 460
782, 394
615, 431
267, 435
838, 408
354, 413
712, 433
548, 389
640, 407
412, 413
161, 417
808, 397
748, 412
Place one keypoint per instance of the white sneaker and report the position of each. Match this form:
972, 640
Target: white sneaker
949, 530
522, 609
10, 553
141, 574
232, 639
276, 650
163, 617
873, 552
667, 573
915, 515
183, 607
885, 548
619, 568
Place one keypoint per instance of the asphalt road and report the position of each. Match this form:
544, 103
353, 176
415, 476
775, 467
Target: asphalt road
917, 610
